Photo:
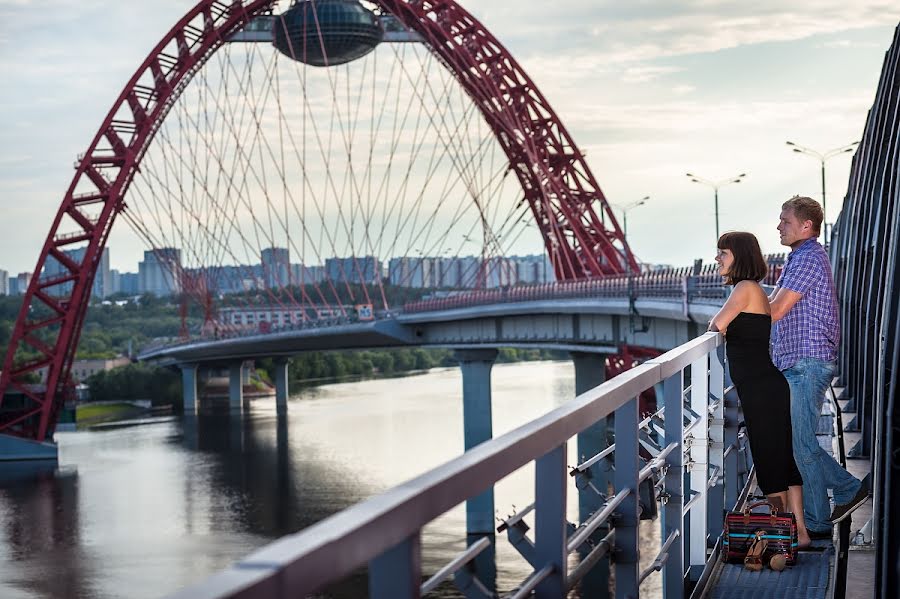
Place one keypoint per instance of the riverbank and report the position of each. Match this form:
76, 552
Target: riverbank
89, 414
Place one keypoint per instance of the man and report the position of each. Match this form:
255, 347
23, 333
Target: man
804, 348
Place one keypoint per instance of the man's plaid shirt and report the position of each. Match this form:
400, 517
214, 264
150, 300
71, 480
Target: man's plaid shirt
811, 329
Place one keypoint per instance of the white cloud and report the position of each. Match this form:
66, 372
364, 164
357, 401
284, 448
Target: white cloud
846, 43
635, 32
682, 90
645, 73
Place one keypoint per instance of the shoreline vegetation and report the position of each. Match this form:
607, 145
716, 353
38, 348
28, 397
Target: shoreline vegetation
90, 414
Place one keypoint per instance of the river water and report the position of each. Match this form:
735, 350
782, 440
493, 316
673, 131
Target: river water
143, 510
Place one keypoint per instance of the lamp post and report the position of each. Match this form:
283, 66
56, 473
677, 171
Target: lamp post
822, 157
626, 209
716, 185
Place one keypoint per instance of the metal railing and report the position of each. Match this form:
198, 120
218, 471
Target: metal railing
696, 461
687, 283
677, 285
865, 253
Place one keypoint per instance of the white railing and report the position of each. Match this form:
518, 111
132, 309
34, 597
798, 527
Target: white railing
385, 532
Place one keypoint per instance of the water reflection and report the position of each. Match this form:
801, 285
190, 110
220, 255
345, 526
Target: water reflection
155, 507
42, 534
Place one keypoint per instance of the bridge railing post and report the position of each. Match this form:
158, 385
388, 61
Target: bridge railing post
397, 573
730, 439
627, 554
716, 492
698, 466
550, 523
672, 513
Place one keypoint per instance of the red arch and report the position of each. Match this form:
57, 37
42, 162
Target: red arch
565, 199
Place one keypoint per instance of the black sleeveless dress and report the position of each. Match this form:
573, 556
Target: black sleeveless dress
766, 401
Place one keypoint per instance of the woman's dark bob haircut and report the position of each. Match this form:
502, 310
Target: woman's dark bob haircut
749, 263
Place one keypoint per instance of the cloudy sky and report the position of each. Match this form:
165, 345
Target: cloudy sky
650, 90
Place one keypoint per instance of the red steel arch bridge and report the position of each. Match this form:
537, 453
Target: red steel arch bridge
248, 127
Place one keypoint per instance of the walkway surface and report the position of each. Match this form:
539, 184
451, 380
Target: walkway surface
813, 576
861, 559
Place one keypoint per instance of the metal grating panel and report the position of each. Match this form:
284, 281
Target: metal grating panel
807, 580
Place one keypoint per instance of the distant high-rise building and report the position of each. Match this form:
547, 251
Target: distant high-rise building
418, 272
4, 282
469, 272
354, 269
124, 282
102, 286
228, 279
307, 275
533, 269
499, 272
457, 273
276, 267
18, 284
115, 278
159, 272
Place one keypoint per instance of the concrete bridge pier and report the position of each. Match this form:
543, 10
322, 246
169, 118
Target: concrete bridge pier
476, 365
590, 371
236, 386
189, 377
280, 376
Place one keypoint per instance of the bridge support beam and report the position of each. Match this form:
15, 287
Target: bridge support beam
189, 375
590, 371
281, 384
476, 365
236, 386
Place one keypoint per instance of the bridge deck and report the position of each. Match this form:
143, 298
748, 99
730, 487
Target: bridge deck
814, 574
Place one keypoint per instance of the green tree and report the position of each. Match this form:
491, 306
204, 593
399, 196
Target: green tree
136, 381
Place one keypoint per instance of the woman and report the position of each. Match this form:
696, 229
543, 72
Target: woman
765, 396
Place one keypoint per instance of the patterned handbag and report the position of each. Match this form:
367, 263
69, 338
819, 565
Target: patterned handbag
779, 529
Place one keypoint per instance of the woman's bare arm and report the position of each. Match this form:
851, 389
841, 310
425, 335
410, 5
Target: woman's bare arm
738, 301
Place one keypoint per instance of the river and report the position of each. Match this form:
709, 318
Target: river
140, 511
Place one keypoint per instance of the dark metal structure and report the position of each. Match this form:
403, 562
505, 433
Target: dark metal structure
865, 252
327, 33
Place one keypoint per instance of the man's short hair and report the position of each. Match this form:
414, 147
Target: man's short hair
806, 209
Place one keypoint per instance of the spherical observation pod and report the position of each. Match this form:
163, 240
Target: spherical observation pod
576, 224
326, 32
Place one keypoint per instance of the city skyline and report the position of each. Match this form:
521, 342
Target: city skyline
157, 272
709, 88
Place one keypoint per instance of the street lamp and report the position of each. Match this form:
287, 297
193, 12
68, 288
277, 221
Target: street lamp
716, 185
822, 158
626, 209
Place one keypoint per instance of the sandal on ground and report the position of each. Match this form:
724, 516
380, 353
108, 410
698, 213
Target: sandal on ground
754, 559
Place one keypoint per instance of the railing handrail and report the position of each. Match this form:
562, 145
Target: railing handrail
335, 547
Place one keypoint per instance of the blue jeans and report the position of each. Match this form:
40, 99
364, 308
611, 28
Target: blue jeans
809, 379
